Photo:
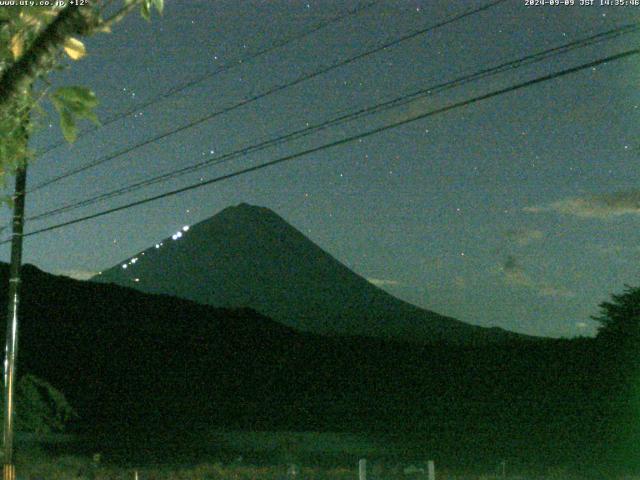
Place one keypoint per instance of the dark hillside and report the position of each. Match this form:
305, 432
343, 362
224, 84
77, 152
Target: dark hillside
161, 368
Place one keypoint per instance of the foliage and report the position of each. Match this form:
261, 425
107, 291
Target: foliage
620, 318
40, 408
82, 468
33, 42
72, 103
77, 467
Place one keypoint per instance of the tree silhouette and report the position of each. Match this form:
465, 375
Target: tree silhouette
41, 408
620, 318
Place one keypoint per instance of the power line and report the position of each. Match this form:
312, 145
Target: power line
224, 68
271, 91
495, 93
398, 101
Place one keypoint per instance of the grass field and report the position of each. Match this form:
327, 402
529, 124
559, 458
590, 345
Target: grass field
270, 456
84, 468
36, 465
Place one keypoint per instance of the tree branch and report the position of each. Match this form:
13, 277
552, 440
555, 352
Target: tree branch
15, 81
118, 16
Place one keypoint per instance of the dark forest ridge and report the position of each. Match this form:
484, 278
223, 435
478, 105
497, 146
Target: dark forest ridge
248, 256
162, 372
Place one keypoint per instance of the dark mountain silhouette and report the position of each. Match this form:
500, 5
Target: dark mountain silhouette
248, 256
153, 373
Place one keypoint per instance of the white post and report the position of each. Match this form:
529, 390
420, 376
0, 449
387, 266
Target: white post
362, 469
135, 474
431, 469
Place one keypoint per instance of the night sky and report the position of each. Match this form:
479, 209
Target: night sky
520, 211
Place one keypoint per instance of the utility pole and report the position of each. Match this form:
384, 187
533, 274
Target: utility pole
11, 346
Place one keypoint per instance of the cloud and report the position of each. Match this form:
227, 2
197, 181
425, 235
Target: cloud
78, 274
515, 275
617, 250
381, 282
610, 249
550, 291
602, 206
524, 236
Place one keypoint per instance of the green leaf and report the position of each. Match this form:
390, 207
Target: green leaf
147, 5
59, 104
91, 116
44, 13
74, 48
68, 125
7, 200
77, 98
159, 5
11, 14
145, 10
71, 103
